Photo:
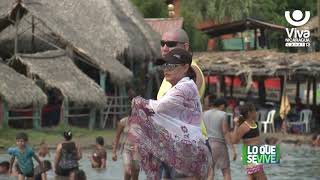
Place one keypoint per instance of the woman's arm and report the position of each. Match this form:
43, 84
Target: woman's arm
115, 143
227, 136
79, 152
238, 132
58, 155
11, 164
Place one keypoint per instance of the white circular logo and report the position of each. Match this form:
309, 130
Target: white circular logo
297, 16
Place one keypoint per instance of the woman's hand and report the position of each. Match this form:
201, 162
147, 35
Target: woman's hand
236, 121
114, 156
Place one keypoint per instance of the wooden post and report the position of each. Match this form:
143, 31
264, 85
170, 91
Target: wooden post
223, 86
282, 84
267, 39
36, 117
65, 112
218, 88
298, 89
103, 86
243, 43
5, 115
103, 80
314, 91
262, 90
92, 118
116, 109
308, 91
255, 39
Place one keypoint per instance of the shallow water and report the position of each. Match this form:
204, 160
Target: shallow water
296, 163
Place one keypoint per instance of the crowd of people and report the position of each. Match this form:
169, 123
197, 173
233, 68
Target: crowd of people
168, 138
67, 155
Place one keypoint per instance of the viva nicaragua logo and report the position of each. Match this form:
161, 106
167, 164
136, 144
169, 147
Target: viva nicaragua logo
264, 154
297, 37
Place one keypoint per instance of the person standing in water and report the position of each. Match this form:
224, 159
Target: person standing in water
247, 129
68, 153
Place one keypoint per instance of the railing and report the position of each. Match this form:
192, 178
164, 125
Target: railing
116, 107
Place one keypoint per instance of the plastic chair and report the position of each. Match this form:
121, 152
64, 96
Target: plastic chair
269, 121
261, 116
305, 119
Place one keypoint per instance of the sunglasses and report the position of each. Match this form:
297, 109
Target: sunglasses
168, 67
169, 44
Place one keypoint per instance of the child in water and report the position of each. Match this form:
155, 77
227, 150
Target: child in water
99, 156
24, 154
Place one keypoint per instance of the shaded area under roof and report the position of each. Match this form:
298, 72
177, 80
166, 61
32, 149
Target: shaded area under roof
57, 71
259, 63
162, 25
240, 26
19, 91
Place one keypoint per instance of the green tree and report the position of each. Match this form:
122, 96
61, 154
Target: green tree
195, 12
152, 8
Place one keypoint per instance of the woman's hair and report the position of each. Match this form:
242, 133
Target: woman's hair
191, 74
67, 135
244, 111
100, 140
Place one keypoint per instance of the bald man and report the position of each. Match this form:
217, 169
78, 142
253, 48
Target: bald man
178, 38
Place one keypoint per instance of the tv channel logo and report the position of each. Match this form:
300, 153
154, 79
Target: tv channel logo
297, 37
264, 154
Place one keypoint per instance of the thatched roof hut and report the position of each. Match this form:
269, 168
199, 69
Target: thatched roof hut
259, 63
118, 32
152, 38
19, 91
57, 71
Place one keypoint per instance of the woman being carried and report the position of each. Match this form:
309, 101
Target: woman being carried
168, 129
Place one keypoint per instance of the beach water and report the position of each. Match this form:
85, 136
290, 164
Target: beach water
296, 163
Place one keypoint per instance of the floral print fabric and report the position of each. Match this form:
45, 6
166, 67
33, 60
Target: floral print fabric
168, 130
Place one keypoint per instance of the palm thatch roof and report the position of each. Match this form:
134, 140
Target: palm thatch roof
5, 10
259, 63
19, 91
103, 32
152, 37
57, 71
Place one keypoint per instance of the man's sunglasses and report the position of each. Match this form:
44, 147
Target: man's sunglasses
169, 44
168, 67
